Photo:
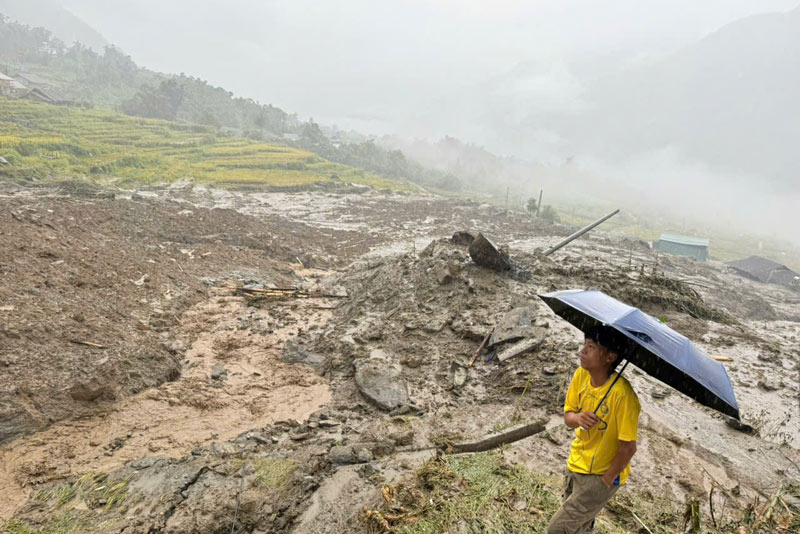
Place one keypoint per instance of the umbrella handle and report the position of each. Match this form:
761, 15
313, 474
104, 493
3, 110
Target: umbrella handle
612, 385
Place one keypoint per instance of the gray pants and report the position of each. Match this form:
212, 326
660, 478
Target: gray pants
584, 497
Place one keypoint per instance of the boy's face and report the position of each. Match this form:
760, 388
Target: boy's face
595, 357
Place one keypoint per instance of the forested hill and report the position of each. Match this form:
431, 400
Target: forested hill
112, 80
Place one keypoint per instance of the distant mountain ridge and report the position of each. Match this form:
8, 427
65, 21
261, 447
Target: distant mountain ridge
49, 14
729, 100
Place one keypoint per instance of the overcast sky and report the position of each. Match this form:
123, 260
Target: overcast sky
379, 64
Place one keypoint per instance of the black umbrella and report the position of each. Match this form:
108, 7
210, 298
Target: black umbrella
651, 345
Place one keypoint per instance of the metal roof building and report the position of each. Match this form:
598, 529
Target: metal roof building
681, 245
765, 271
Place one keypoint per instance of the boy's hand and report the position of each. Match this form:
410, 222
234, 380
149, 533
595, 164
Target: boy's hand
587, 420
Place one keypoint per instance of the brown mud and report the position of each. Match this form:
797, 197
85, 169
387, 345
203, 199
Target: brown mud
128, 349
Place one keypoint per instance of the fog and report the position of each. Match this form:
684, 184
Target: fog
682, 105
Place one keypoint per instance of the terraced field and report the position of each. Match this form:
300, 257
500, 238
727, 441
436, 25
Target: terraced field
44, 142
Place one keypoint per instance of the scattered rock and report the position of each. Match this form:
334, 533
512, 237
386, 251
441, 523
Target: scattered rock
218, 372
459, 374
739, 425
770, 384
293, 352
443, 274
381, 383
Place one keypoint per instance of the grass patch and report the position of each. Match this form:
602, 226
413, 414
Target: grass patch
471, 493
94, 489
67, 523
274, 473
48, 143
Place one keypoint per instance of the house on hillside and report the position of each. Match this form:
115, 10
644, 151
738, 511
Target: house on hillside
765, 271
680, 245
48, 95
31, 80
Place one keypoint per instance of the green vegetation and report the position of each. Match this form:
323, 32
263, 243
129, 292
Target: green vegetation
94, 489
472, 493
484, 493
44, 142
68, 523
275, 473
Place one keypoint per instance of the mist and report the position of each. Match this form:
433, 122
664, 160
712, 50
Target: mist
562, 85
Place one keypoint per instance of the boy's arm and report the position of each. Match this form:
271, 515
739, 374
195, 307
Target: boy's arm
583, 419
624, 454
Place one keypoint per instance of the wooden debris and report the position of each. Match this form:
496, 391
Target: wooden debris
478, 352
518, 348
281, 293
722, 358
495, 441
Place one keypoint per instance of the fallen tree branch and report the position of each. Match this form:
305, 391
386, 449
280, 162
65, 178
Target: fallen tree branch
487, 443
492, 442
93, 345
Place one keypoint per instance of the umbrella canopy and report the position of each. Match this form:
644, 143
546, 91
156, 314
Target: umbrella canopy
653, 346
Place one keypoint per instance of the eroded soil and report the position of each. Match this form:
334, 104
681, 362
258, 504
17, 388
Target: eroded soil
129, 348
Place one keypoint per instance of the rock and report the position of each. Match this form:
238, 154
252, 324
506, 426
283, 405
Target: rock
145, 463
770, 384
293, 352
485, 254
459, 374
367, 471
381, 383
363, 452
550, 371
15, 421
739, 425
513, 326
443, 274
90, 390
218, 372
345, 454
462, 239
520, 347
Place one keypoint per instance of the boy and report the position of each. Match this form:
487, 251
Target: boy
605, 442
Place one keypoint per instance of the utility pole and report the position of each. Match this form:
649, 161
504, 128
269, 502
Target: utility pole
539, 205
579, 233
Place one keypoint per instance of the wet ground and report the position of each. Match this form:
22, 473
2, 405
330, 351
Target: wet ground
212, 394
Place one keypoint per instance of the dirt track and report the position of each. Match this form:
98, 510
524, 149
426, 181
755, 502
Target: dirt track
149, 284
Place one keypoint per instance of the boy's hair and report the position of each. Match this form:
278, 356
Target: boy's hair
610, 339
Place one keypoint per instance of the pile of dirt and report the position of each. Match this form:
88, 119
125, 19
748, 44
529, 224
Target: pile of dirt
424, 316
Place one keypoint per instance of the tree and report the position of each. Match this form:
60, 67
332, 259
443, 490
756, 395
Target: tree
531, 206
550, 214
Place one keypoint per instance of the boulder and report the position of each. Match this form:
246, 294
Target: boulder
293, 352
381, 383
513, 326
485, 254
90, 390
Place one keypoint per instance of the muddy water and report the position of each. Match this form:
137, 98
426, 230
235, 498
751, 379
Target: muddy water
177, 417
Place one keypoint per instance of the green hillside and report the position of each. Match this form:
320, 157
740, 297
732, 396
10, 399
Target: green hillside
43, 142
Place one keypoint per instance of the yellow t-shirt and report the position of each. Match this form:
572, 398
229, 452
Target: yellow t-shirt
593, 450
